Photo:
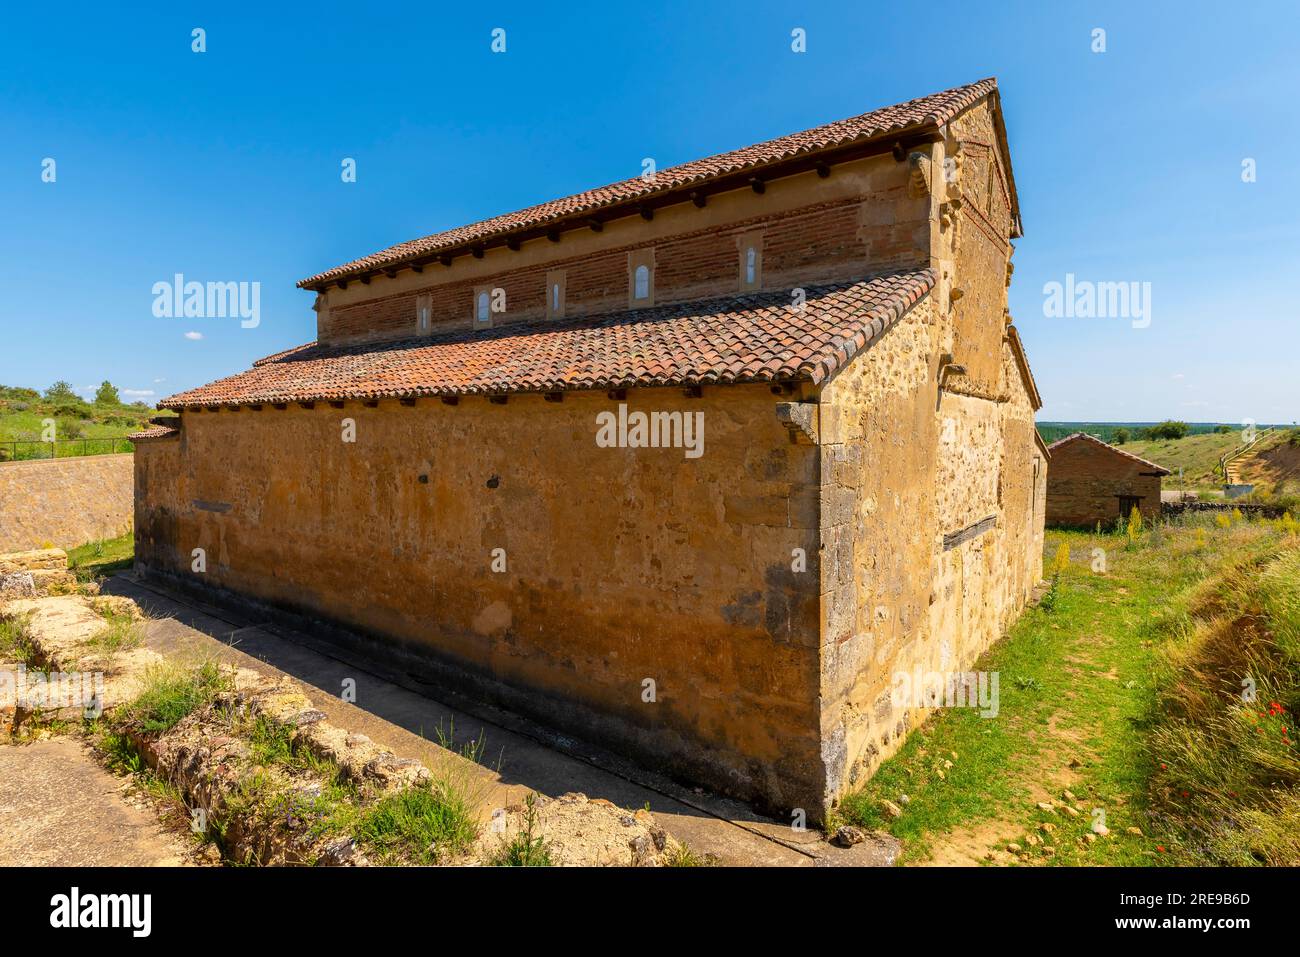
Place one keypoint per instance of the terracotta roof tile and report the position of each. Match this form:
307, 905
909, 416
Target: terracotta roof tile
757, 337
154, 432
1106, 445
923, 112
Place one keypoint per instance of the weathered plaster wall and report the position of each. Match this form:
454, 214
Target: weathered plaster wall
621, 564
66, 502
1086, 480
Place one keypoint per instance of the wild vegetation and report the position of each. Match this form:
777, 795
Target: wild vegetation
102, 557
26, 413
1123, 707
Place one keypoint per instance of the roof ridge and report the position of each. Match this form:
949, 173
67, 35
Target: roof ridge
933, 109
1114, 448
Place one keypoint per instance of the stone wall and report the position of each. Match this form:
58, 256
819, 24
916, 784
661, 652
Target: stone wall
620, 565
932, 535
64, 502
1086, 480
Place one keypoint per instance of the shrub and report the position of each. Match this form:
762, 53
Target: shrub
529, 848
1168, 429
61, 391
107, 394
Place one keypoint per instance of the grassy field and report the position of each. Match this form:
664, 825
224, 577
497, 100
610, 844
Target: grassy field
24, 414
1120, 705
1197, 455
101, 558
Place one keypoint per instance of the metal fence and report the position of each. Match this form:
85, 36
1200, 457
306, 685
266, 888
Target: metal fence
20, 451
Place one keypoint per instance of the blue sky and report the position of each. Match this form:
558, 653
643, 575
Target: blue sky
225, 165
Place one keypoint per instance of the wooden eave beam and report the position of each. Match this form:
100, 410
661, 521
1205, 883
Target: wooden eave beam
820, 162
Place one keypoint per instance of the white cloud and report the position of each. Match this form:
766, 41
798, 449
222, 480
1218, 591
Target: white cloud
194, 335
1178, 375
156, 381
139, 392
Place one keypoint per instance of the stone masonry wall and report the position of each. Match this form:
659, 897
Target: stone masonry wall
64, 502
620, 565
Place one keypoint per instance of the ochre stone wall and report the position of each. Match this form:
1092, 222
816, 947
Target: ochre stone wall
621, 564
860, 221
1086, 480
913, 452
898, 475
64, 502
773, 677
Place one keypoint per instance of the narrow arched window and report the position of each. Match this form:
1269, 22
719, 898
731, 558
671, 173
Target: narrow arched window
751, 265
555, 297
482, 309
641, 282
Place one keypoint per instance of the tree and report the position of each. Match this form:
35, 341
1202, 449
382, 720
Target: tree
107, 394
61, 392
1121, 436
1169, 429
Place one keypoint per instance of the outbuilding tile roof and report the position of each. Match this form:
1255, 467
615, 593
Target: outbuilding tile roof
759, 337
922, 113
154, 432
1076, 436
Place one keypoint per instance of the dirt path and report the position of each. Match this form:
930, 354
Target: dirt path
1061, 775
59, 807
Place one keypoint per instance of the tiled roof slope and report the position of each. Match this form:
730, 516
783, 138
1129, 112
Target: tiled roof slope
924, 112
154, 432
1106, 445
751, 338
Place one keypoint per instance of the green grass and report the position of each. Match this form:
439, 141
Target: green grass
24, 414
102, 557
425, 824
120, 633
15, 642
678, 854
1228, 784
1078, 684
1197, 455
171, 693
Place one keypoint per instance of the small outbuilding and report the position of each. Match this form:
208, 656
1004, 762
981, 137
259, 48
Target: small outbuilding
1092, 482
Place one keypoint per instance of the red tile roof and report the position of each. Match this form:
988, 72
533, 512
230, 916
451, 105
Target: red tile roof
919, 114
154, 432
750, 338
1106, 445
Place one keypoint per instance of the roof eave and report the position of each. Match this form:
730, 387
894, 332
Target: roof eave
899, 141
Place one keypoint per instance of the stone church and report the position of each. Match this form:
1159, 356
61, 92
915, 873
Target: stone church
689, 466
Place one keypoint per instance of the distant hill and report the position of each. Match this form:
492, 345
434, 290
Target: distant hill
23, 413
1273, 466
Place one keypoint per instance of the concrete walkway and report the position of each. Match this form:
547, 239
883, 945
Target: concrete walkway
518, 756
61, 808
